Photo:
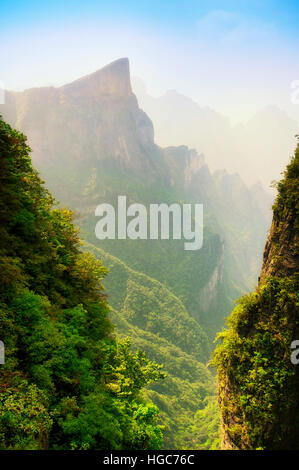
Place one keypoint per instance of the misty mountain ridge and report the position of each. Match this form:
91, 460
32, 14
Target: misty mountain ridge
91, 141
107, 96
237, 148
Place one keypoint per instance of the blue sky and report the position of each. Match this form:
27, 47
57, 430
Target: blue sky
174, 13
234, 56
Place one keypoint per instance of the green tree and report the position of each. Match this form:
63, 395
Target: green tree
68, 382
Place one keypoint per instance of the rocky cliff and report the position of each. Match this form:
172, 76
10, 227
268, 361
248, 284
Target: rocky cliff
281, 257
257, 381
60, 121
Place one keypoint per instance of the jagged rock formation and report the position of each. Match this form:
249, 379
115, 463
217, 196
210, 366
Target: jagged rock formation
257, 382
60, 121
111, 81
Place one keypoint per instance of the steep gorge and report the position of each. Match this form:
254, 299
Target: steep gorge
91, 142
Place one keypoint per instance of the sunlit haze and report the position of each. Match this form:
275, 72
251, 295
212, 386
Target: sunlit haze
235, 57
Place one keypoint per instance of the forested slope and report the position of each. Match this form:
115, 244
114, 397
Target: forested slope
67, 382
158, 323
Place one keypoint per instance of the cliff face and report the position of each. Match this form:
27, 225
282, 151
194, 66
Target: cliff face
257, 382
60, 121
281, 250
110, 81
91, 142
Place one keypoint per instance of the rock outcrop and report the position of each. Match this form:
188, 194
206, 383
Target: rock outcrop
257, 381
59, 122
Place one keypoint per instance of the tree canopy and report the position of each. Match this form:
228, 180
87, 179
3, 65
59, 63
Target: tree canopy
68, 382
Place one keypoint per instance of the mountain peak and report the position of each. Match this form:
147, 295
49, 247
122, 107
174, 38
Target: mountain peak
111, 80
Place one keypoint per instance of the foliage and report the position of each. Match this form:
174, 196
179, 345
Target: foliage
288, 190
255, 358
157, 323
204, 432
67, 382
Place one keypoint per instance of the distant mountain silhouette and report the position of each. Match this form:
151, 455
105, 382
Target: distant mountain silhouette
257, 149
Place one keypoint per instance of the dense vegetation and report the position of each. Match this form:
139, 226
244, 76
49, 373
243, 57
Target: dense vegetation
258, 383
157, 322
153, 288
67, 382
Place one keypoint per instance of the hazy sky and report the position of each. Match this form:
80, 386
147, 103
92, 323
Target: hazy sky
234, 56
